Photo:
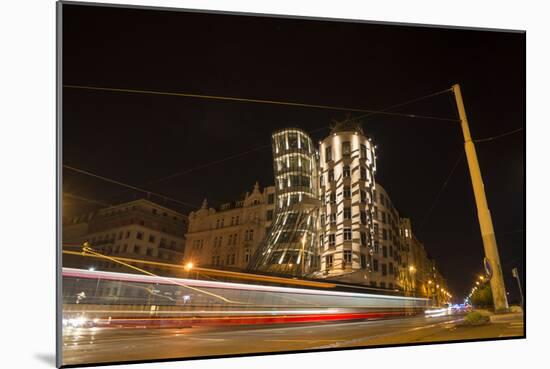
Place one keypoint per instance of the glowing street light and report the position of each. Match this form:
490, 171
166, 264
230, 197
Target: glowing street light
189, 266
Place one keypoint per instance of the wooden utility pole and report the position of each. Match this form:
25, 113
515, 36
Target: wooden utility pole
483, 213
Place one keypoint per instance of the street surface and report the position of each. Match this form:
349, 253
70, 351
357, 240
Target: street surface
93, 345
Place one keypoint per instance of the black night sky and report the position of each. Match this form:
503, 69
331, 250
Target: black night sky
139, 138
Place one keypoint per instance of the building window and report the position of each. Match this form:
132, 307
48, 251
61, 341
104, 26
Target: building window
384, 269
384, 234
149, 251
390, 285
363, 239
139, 236
331, 239
346, 171
363, 217
375, 265
347, 234
151, 238
363, 261
376, 231
154, 211
271, 198
120, 235
270, 215
333, 198
328, 261
382, 284
346, 148
385, 251
391, 251
328, 154
331, 175
217, 223
363, 196
347, 256
347, 213
390, 267
137, 249
363, 173
333, 218
383, 217
323, 219
363, 152
347, 192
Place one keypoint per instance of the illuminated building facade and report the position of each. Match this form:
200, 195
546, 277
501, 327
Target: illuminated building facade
226, 237
290, 247
346, 182
140, 229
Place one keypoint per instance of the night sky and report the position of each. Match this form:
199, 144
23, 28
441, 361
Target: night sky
139, 138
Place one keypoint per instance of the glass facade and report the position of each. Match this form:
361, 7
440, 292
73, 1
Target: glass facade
290, 247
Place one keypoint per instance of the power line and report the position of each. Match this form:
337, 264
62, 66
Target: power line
82, 198
177, 174
498, 136
207, 165
258, 101
426, 217
129, 186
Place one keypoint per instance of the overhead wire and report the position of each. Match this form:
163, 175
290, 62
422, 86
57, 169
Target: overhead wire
88, 173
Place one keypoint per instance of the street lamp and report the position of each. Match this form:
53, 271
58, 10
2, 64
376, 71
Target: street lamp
188, 266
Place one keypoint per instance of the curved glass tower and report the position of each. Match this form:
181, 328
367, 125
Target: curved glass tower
290, 247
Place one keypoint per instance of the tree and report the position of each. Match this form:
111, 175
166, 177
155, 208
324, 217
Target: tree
483, 297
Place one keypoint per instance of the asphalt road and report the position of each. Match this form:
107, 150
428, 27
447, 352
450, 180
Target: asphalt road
94, 345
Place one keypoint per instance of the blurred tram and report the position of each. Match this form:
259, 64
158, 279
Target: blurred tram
107, 299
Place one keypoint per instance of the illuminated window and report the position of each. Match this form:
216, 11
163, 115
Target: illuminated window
346, 171
346, 148
328, 261
347, 256
347, 234
347, 192
363, 152
328, 154
347, 213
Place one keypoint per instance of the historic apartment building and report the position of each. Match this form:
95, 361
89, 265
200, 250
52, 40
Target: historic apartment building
227, 237
139, 229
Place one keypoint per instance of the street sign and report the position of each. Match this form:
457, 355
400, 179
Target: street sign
488, 268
